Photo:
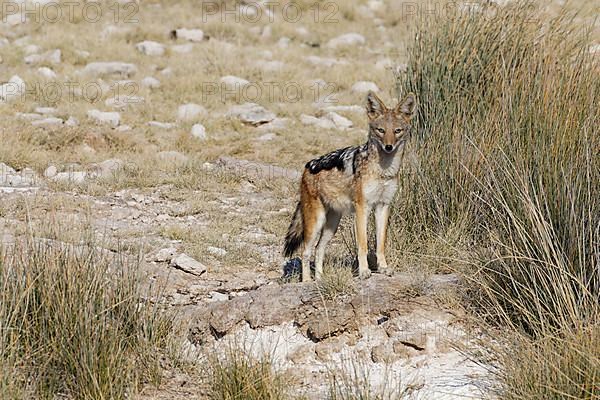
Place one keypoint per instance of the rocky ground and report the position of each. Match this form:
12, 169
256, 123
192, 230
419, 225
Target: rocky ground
178, 130
397, 336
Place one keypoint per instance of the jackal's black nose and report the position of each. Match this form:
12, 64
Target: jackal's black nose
388, 147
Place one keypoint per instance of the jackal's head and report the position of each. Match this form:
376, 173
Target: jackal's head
390, 127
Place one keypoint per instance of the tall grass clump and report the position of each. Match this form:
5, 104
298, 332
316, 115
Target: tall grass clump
73, 323
236, 373
507, 140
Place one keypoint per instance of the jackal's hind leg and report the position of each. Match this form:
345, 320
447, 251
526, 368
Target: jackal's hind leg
331, 224
314, 220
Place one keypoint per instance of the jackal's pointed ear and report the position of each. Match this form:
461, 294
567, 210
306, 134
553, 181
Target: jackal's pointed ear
407, 106
375, 106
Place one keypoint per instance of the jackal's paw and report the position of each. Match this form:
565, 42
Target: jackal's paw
385, 271
364, 274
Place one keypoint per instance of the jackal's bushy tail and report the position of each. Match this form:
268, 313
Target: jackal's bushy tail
295, 235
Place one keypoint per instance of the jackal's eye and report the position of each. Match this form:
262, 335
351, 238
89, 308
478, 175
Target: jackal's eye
380, 130
397, 131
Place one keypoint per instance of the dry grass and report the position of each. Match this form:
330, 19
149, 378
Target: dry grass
237, 374
73, 323
508, 179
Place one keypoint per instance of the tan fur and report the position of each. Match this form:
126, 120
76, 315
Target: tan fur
368, 181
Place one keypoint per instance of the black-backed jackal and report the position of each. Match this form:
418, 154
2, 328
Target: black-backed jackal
353, 179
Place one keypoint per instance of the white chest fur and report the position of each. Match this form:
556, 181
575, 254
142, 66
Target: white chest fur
380, 191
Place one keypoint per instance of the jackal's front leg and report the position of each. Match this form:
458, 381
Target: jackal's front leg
362, 215
382, 215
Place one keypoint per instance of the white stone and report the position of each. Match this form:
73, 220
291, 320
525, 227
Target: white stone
150, 82
193, 35
251, 113
47, 73
188, 264
216, 251
47, 122
190, 112
318, 122
364, 87
199, 131
162, 125
52, 57
150, 48
123, 101
110, 118
70, 177
13, 89
72, 121
110, 68
165, 255
50, 172
283, 42
347, 39
45, 110
233, 81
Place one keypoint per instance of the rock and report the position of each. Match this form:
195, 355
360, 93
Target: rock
13, 89
325, 61
110, 118
188, 264
383, 353
165, 255
327, 350
150, 82
173, 157
6, 170
150, 48
108, 167
318, 122
72, 121
162, 125
347, 39
283, 42
123, 101
52, 57
339, 121
46, 73
123, 128
225, 315
50, 172
267, 137
325, 323
190, 112
70, 177
193, 35
28, 116
45, 110
277, 125
51, 121
330, 120
364, 87
199, 132
112, 68
218, 296
251, 113
233, 81
216, 251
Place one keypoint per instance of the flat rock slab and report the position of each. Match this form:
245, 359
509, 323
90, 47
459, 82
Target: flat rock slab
378, 299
